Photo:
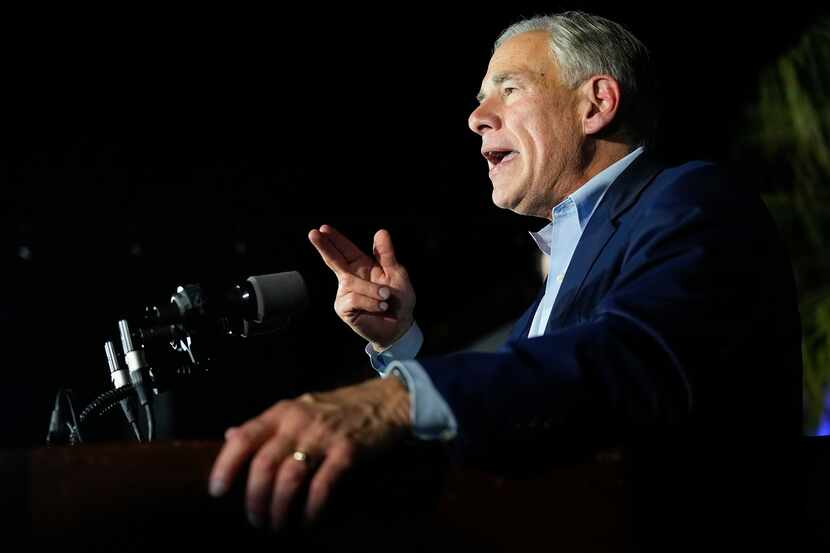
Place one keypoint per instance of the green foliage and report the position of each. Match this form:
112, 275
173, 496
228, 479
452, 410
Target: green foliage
790, 129
816, 354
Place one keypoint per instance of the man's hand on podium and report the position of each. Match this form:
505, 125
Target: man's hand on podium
310, 440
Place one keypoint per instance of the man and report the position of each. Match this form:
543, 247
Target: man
669, 314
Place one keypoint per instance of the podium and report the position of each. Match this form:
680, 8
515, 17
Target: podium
153, 497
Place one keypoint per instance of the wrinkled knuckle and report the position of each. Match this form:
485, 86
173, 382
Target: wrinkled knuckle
245, 436
343, 304
319, 425
293, 409
239, 437
308, 397
279, 408
318, 418
277, 415
299, 419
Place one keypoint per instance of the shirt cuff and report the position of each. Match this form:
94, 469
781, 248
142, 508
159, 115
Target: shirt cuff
406, 347
432, 418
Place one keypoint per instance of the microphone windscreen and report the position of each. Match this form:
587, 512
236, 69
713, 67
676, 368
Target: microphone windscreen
279, 294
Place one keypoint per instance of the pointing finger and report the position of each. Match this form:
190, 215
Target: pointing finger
330, 254
345, 246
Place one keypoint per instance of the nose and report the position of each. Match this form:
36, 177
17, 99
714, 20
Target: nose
484, 118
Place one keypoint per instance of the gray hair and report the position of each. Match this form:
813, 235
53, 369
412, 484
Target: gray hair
584, 45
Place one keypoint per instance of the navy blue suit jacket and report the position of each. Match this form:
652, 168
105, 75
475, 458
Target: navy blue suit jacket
675, 337
677, 316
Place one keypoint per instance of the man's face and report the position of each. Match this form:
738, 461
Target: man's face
527, 121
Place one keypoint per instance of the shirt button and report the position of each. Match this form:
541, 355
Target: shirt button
560, 277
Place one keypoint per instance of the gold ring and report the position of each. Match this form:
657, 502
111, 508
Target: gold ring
300, 456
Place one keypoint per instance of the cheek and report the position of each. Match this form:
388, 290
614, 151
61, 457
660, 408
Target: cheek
543, 126
545, 142
540, 134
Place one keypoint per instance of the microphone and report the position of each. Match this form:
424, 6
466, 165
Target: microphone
260, 304
276, 294
120, 377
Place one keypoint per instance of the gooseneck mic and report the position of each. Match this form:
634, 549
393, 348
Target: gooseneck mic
121, 378
180, 337
139, 373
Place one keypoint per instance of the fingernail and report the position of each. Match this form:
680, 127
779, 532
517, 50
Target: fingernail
384, 293
217, 488
254, 519
383, 306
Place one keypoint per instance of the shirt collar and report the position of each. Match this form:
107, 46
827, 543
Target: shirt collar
586, 198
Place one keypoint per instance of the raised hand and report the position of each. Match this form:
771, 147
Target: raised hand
374, 294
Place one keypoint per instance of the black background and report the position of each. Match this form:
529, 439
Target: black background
143, 150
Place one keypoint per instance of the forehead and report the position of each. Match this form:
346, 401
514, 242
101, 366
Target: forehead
527, 53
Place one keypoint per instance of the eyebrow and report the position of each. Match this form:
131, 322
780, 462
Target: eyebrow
498, 79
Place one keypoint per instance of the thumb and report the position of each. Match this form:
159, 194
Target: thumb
384, 251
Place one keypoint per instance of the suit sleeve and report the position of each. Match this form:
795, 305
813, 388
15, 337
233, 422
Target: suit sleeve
657, 345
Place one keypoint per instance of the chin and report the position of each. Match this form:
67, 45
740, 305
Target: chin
499, 200
505, 196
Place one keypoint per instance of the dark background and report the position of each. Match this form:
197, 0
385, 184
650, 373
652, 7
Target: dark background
140, 151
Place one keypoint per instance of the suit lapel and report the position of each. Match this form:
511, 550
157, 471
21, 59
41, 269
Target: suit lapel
603, 224
591, 244
522, 326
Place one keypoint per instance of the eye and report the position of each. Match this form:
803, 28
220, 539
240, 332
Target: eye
508, 90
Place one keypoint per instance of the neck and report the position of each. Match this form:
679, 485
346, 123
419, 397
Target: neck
596, 155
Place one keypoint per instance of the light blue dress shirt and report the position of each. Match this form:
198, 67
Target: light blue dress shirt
431, 417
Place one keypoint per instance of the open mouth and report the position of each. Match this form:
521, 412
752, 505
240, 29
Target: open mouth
497, 158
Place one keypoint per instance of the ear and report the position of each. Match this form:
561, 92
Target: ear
601, 99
